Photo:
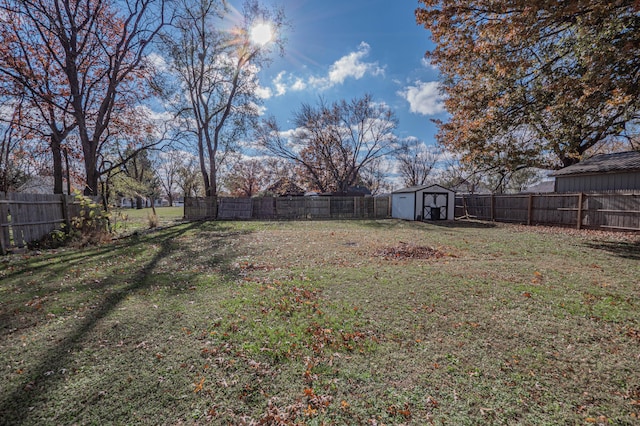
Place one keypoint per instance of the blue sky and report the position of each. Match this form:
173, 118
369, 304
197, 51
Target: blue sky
344, 49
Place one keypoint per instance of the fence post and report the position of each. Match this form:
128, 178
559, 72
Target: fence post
66, 213
530, 209
4, 225
580, 201
493, 207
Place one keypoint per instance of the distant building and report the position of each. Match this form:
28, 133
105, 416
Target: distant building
352, 191
545, 186
619, 172
424, 202
285, 187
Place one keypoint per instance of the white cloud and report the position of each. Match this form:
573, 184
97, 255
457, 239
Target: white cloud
298, 85
285, 82
349, 66
424, 98
157, 61
427, 64
280, 84
264, 92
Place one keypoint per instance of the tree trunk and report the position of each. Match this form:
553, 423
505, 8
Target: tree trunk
56, 152
91, 184
139, 202
68, 173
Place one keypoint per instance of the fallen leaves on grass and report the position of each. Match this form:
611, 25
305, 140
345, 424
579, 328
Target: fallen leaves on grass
409, 251
199, 385
405, 411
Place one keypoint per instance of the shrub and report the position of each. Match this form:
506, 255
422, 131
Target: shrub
153, 220
91, 224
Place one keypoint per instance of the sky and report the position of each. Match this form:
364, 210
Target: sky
343, 49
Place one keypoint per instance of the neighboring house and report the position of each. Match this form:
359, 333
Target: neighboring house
284, 187
352, 191
425, 202
541, 187
619, 172
468, 187
37, 185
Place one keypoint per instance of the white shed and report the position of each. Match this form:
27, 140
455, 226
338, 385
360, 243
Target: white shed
426, 202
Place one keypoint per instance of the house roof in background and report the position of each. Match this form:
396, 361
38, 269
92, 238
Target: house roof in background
627, 161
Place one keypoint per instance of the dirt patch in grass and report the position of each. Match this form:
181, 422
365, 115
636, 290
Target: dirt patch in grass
408, 251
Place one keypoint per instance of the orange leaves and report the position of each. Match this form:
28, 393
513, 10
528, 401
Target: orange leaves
599, 420
199, 385
310, 412
404, 411
315, 402
537, 278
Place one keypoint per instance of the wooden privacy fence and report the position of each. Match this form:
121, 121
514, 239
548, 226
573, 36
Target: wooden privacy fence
595, 211
25, 218
277, 208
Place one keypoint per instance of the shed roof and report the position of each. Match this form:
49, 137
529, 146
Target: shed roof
419, 188
627, 161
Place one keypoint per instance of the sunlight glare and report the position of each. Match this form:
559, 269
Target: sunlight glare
261, 34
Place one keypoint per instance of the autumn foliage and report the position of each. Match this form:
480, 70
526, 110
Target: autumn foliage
535, 83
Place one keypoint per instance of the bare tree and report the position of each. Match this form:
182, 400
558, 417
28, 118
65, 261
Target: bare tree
11, 136
97, 54
189, 180
374, 176
217, 72
168, 166
247, 178
332, 143
415, 161
30, 75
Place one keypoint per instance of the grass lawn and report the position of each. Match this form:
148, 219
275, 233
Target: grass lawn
125, 221
336, 322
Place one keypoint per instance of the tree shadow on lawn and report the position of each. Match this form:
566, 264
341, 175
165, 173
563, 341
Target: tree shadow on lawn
624, 249
43, 269
16, 405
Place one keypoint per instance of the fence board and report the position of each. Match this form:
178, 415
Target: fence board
264, 208
235, 208
196, 208
290, 208
25, 218
598, 211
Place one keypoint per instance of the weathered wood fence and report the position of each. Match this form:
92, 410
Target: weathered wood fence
282, 208
25, 218
594, 211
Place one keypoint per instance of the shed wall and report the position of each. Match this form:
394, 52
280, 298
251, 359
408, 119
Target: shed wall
402, 206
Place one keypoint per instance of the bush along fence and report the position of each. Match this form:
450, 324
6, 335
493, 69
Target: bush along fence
593, 211
287, 208
26, 218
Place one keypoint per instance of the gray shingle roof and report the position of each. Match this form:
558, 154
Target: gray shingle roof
619, 162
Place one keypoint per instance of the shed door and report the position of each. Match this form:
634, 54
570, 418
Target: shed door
435, 206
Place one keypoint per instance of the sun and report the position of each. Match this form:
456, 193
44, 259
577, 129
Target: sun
261, 34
